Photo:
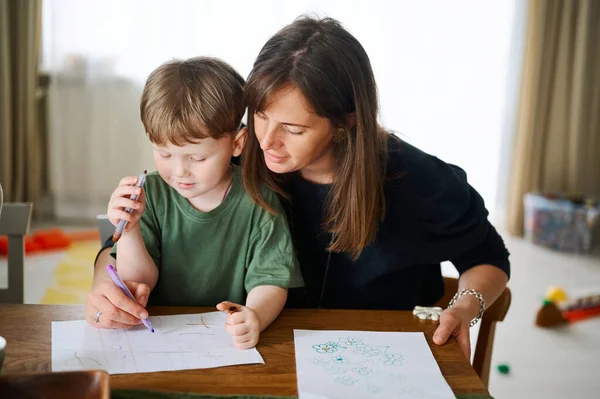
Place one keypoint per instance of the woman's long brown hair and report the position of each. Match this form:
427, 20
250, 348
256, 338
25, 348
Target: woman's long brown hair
333, 72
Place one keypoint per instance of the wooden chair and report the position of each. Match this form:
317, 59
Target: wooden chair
14, 222
485, 341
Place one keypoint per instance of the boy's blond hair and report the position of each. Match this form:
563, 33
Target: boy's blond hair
187, 100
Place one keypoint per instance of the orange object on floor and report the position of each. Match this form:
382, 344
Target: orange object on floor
86, 235
42, 240
51, 240
577, 315
31, 245
3, 245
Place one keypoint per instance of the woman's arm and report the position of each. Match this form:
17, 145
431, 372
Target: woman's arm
489, 281
117, 310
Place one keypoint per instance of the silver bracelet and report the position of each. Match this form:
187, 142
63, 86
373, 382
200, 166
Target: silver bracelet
476, 295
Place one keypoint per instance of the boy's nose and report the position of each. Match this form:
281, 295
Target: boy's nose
180, 169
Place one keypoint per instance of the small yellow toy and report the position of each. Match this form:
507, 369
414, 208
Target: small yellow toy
556, 309
556, 294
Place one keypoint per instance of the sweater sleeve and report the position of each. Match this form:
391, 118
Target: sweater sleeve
453, 219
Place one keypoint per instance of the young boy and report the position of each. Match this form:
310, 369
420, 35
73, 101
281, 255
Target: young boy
195, 237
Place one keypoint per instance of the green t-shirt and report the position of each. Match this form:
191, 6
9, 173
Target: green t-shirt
204, 258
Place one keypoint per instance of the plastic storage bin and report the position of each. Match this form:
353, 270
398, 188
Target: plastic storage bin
565, 223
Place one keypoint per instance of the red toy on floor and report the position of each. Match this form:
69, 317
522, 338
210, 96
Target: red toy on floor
49, 240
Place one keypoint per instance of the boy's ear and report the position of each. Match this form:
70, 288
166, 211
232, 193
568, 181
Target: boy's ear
239, 141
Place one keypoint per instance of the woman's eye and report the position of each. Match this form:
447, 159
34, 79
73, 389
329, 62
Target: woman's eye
291, 131
260, 115
198, 159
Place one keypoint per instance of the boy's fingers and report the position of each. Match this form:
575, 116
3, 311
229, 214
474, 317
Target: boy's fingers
230, 307
125, 202
247, 345
120, 215
126, 191
237, 329
225, 305
235, 318
246, 341
128, 180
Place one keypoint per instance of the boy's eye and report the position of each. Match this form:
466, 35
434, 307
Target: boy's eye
165, 156
198, 159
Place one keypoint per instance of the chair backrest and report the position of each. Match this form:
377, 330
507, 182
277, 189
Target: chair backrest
14, 222
485, 341
105, 227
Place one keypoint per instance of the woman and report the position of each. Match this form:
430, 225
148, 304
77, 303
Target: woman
372, 216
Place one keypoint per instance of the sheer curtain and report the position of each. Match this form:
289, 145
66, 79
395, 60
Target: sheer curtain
442, 70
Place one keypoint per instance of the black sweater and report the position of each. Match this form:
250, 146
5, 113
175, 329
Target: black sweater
432, 215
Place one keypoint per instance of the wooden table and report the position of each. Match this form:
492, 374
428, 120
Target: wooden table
27, 329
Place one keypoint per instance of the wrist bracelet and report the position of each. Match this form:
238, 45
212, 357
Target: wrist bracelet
476, 295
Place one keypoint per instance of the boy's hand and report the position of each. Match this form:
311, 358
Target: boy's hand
119, 200
242, 324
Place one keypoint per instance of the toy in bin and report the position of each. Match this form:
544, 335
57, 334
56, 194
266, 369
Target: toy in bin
558, 309
563, 222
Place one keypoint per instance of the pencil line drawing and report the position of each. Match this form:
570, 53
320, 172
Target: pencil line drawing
180, 342
131, 351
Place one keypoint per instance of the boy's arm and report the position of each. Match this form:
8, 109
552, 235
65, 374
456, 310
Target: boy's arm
100, 274
245, 323
267, 301
134, 261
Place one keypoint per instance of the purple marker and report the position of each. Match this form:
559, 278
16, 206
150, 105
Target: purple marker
115, 277
122, 223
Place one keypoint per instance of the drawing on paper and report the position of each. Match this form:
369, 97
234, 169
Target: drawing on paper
362, 364
180, 342
351, 361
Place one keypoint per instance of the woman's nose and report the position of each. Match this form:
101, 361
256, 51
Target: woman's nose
268, 139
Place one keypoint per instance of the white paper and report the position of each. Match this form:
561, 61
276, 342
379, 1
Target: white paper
364, 364
181, 342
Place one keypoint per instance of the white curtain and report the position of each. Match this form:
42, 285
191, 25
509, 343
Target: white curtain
443, 71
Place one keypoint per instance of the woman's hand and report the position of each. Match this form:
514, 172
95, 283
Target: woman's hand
242, 324
117, 309
455, 322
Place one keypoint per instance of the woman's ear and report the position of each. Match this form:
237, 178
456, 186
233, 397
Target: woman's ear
350, 120
239, 141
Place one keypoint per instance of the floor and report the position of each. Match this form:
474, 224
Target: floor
545, 363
